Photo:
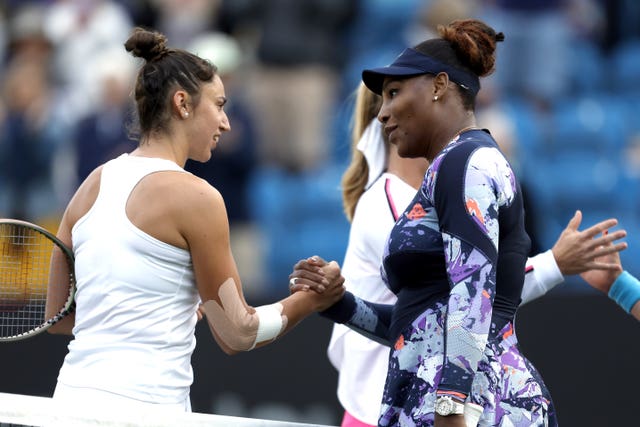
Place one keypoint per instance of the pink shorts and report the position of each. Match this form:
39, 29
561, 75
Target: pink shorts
350, 421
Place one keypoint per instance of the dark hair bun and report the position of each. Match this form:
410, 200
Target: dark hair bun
474, 43
149, 45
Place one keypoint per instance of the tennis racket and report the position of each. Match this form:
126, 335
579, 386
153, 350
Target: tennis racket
37, 280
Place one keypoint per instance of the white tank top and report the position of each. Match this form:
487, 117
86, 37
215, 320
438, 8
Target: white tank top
136, 298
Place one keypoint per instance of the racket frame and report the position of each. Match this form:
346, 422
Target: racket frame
69, 304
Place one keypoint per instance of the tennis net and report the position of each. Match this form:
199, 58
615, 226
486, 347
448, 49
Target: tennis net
35, 411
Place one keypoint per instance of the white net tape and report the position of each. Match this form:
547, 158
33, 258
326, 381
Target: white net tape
22, 410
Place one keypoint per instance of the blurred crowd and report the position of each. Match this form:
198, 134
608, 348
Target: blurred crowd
561, 103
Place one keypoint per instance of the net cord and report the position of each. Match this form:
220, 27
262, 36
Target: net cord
43, 411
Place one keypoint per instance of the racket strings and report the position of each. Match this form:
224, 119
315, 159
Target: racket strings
24, 277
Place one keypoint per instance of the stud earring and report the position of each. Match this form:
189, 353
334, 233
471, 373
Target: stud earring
435, 98
185, 114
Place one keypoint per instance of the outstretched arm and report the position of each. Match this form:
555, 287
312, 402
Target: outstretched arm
235, 325
574, 252
368, 319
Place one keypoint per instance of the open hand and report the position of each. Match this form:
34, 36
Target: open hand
602, 280
578, 251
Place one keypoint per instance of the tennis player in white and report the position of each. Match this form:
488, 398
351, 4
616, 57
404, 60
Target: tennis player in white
151, 242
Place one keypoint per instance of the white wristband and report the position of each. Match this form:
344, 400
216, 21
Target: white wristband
472, 414
269, 323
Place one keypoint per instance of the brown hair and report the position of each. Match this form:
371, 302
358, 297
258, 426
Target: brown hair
466, 44
164, 71
354, 179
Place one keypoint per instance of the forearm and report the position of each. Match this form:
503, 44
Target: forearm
368, 319
296, 307
239, 327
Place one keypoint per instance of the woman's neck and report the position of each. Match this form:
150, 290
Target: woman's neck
449, 133
160, 147
409, 170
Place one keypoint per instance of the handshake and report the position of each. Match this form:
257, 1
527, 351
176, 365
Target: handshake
319, 276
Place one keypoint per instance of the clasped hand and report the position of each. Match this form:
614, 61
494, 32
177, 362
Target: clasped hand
322, 277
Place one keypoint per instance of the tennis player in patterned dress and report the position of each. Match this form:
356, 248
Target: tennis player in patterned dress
456, 257
376, 188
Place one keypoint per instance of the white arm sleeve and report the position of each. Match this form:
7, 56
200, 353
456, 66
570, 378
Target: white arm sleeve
541, 276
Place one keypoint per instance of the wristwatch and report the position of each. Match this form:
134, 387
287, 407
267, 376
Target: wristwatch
446, 406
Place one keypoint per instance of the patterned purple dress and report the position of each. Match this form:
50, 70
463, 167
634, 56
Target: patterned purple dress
456, 260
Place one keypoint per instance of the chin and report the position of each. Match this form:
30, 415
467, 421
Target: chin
403, 151
408, 152
204, 158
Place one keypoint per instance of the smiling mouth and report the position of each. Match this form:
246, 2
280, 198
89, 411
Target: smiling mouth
389, 130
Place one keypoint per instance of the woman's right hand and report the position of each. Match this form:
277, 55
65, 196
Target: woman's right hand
578, 251
602, 280
309, 274
336, 289
320, 276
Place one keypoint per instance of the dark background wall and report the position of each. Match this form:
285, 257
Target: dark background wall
586, 348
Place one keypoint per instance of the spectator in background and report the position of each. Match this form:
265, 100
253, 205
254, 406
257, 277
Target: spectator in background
103, 135
295, 82
534, 63
144, 13
79, 30
31, 132
184, 20
621, 19
424, 24
376, 34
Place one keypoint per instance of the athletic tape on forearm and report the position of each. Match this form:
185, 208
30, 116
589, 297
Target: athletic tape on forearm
270, 323
625, 291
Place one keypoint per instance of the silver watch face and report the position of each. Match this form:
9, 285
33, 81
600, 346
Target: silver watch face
444, 406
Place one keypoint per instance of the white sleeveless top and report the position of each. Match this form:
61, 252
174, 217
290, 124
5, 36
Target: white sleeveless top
136, 298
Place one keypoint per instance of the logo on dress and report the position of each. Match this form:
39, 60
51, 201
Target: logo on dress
416, 212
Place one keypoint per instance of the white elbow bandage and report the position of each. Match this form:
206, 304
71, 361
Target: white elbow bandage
269, 323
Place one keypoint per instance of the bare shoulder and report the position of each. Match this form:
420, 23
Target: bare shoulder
84, 197
200, 210
172, 205
186, 191
184, 197
202, 200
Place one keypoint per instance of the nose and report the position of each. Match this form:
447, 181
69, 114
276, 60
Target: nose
383, 114
225, 126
